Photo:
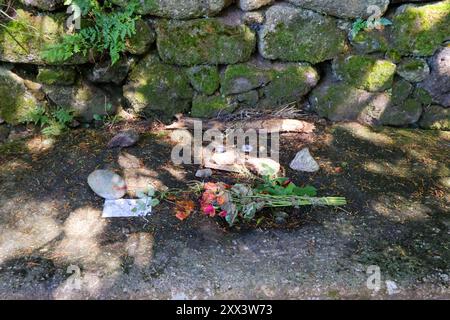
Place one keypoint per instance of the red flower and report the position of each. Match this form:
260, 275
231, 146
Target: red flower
223, 214
210, 186
208, 197
209, 210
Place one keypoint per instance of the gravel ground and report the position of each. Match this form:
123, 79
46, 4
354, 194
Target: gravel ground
55, 245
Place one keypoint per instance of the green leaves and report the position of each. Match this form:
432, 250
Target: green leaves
284, 187
53, 123
108, 31
360, 25
146, 200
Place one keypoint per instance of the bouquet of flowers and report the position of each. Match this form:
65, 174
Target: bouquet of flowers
242, 201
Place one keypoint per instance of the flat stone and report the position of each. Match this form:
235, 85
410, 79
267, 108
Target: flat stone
124, 139
203, 173
249, 5
303, 161
107, 184
344, 9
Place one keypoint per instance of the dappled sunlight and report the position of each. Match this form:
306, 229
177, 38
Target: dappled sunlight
139, 246
367, 134
27, 233
40, 144
81, 244
15, 165
386, 168
400, 209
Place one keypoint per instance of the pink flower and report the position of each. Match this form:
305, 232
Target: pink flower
209, 210
223, 214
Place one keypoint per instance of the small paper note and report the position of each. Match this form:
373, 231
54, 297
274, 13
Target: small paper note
124, 208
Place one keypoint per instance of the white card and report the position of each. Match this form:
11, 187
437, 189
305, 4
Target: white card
123, 208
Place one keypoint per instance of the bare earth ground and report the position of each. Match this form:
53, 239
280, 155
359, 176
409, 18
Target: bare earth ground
398, 218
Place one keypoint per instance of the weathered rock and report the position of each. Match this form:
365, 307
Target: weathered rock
438, 82
248, 5
414, 70
365, 72
342, 102
104, 72
48, 5
294, 34
244, 77
176, 9
85, 99
24, 39
344, 9
203, 41
277, 83
204, 79
142, 40
406, 113
107, 184
203, 173
4, 133
17, 101
436, 118
210, 106
249, 98
57, 75
370, 41
303, 161
263, 166
156, 87
124, 139
421, 29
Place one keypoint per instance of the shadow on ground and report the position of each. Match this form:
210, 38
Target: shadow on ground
54, 243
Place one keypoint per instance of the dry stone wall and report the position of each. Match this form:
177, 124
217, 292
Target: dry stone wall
204, 57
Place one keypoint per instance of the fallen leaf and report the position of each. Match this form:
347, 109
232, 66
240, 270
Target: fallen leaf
184, 208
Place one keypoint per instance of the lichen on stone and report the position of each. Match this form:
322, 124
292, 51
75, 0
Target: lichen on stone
421, 29
209, 106
155, 87
293, 34
204, 79
203, 41
17, 102
365, 72
57, 75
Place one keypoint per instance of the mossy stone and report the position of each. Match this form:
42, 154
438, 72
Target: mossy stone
140, 42
294, 34
209, 106
155, 87
277, 83
423, 96
57, 75
205, 79
288, 84
339, 101
436, 118
369, 41
243, 77
401, 91
24, 39
203, 41
16, 100
365, 72
405, 113
420, 30
176, 9
414, 70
